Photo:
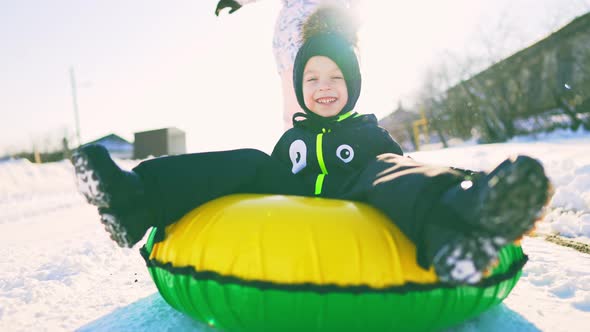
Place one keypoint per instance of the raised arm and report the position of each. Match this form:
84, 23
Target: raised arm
233, 5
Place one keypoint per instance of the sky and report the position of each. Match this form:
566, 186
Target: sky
59, 271
142, 65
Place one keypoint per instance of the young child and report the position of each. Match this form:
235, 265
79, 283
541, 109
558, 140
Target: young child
288, 37
458, 220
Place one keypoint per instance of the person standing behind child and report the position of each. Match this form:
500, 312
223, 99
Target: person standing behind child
288, 38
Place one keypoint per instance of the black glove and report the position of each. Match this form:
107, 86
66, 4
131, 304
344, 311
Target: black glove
222, 4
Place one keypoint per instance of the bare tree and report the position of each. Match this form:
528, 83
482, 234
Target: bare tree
459, 96
431, 100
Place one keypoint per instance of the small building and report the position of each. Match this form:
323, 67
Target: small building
117, 146
159, 142
5, 159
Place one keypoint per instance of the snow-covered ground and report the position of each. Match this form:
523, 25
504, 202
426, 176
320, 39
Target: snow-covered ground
60, 271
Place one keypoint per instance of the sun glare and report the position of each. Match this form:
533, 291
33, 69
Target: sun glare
399, 40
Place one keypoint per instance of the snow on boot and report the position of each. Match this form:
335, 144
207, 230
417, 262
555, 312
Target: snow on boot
458, 256
505, 203
126, 229
118, 194
466, 258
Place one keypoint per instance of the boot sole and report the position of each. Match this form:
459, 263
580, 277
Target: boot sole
89, 184
88, 181
117, 232
511, 209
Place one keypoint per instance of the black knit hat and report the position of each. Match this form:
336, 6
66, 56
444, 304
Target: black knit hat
338, 49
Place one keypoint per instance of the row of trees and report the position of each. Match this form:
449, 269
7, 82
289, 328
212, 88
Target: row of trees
45, 147
543, 87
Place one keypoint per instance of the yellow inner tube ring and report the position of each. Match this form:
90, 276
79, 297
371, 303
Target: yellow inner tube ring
286, 263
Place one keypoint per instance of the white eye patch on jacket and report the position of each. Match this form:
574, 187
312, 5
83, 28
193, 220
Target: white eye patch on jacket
298, 155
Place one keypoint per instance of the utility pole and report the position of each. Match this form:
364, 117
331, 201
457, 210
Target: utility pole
75, 101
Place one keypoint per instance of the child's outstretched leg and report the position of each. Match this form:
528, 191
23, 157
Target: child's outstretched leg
118, 194
458, 220
493, 211
160, 191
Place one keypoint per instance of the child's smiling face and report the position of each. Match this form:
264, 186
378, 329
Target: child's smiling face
324, 87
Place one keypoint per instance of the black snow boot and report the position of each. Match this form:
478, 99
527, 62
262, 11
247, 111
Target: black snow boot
118, 194
505, 202
492, 211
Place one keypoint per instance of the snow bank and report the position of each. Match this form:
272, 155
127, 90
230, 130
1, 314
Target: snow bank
59, 271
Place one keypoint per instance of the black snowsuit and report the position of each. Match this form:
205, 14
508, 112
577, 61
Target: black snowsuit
353, 159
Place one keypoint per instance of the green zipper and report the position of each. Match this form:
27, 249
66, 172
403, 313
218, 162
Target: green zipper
319, 181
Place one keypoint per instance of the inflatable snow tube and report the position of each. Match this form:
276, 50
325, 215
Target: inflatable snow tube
286, 263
